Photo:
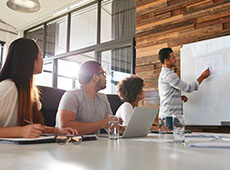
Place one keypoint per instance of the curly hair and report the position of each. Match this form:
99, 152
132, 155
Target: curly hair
129, 88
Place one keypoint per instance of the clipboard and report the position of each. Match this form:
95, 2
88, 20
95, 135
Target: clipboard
41, 139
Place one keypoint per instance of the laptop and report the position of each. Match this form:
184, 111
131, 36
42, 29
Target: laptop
139, 124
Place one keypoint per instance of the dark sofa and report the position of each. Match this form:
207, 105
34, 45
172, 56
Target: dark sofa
50, 98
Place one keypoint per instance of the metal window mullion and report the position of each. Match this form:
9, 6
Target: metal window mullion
133, 55
99, 22
44, 39
115, 44
98, 53
1, 54
55, 73
73, 83
68, 32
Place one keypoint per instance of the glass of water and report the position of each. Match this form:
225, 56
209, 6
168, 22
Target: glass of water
113, 127
162, 125
178, 129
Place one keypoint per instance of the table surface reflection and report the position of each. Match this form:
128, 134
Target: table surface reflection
104, 154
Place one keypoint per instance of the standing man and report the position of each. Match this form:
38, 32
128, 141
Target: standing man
170, 86
85, 109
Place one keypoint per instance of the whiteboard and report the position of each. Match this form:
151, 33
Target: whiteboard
211, 103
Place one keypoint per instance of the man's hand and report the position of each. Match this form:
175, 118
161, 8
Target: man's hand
206, 73
106, 122
67, 131
203, 76
184, 99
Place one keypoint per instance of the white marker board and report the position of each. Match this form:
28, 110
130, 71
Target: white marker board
211, 103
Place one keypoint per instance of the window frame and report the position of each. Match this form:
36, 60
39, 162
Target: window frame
2, 43
98, 48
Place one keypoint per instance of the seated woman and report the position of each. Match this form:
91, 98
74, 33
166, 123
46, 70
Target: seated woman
20, 114
130, 90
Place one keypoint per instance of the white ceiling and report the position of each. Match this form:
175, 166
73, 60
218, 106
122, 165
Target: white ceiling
22, 21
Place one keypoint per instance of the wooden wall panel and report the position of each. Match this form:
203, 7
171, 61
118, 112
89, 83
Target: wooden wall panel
173, 23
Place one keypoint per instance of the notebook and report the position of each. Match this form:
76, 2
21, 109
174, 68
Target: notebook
41, 139
140, 123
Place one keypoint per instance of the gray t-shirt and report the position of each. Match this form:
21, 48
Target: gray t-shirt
78, 102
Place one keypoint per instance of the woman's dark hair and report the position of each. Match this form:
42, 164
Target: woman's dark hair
129, 88
164, 54
87, 70
19, 67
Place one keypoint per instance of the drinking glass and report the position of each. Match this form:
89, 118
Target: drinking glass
113, 127
178, 129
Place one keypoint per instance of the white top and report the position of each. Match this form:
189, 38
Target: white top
125, 112
8, 103
170, 87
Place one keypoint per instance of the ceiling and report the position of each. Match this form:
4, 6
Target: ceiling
20, 21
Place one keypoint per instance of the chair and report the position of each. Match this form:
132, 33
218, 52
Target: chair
50, 98
114, 101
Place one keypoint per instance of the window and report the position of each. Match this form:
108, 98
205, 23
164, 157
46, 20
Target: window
103, 31
68, 70
37, 34
83, 28
56, 37
45, 78
117, 64
117, 19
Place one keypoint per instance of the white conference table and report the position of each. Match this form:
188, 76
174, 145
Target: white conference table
104, 154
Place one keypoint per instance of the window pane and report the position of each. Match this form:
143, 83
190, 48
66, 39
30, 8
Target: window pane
117, 64
45, 78
37, 34
83, 28
117, 19
68, 69
64, 83
106, 21
56, 37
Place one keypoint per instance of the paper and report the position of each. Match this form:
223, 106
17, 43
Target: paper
200, 138
223, 145
154, 138
160, 140
211, 140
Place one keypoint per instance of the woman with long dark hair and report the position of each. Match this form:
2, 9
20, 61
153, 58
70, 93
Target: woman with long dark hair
20, 114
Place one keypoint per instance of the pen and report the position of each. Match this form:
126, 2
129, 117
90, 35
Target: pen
107, 131
27, 121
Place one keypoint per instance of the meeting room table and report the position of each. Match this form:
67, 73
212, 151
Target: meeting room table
105, 154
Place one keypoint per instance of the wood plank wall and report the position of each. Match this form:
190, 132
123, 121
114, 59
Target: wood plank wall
172, 23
